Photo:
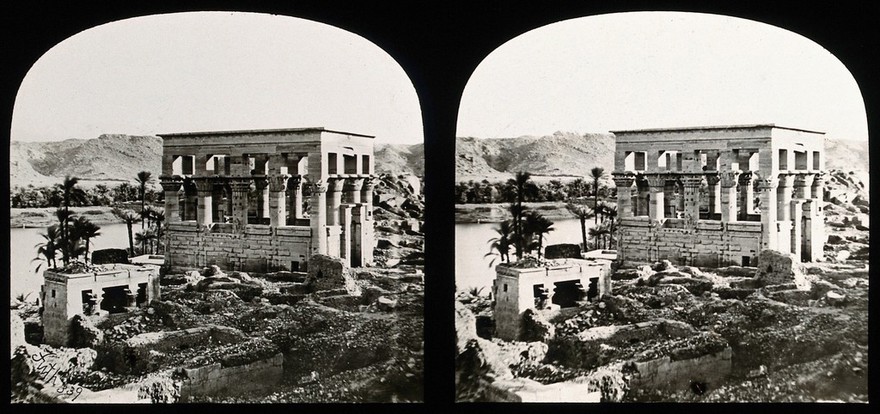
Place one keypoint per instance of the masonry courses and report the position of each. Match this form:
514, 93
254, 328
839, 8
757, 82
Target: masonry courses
716, 196
267, 200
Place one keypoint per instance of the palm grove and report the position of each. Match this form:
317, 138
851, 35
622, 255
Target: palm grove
70, 239
524, 232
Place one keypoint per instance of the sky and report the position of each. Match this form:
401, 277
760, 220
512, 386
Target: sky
657, 70
215, 71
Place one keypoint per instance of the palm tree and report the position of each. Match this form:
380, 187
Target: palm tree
520, 182
596, 173
609, 211
501, 243
158, 218
64, 217
49, 248
597, 233
580, 209
129, 217
70, 193
145, 237
143, 178
86, 230
537, 226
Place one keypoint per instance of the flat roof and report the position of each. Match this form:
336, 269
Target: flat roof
713, 127
260, 131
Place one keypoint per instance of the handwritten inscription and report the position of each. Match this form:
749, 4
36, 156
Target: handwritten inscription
49, 373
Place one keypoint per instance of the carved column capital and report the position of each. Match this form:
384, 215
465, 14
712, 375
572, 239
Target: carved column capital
729, 178
294, 181
204, 185
171, 183
260, 182
656, 180
369, 183
240, 185
319, 187
353, 184
712, 178
746, 178
278, 182
623, 180
768, 183
691, 180
786, 179
804, 179
335, 183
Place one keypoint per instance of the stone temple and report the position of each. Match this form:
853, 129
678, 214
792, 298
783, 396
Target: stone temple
716, 196
267, 200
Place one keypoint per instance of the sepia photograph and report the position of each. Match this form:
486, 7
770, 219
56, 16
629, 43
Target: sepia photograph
661, 206
218, 207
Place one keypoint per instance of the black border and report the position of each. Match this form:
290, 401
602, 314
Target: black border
439, 43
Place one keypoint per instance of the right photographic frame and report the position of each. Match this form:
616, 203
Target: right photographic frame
661, 206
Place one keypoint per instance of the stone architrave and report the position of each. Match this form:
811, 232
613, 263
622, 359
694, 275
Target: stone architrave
277, 194
171, 185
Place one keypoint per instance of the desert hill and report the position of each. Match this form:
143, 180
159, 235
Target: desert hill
118, 157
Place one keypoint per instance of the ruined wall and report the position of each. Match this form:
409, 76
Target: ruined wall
258, 248
706, 243
215, 379
669, 375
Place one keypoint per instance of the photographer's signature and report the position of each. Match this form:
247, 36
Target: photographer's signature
49, 374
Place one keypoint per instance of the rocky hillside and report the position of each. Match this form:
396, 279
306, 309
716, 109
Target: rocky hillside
560, 154
110, 157
118, 157
571, 154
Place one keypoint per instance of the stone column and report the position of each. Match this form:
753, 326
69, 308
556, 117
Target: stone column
770, 236
783, 210
352, 189
624, 182
263, 199
714, 193
240, 187
747, 195
294, 187
367, 195
277, 205
318, 218
345, 241
335, 200
817, 190
172, 203
643, 193
205, 188
656, 184
803, 183
729, 182
691, 183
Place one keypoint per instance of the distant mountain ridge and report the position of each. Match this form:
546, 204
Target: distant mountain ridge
119, 157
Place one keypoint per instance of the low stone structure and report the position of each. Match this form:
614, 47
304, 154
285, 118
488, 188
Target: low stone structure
216, 379
113, 289
717, 196
559, 284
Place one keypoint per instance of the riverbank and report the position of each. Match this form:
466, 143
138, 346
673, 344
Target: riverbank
498, 212
20, 218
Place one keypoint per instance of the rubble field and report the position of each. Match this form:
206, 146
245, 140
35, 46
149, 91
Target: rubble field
227, 336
